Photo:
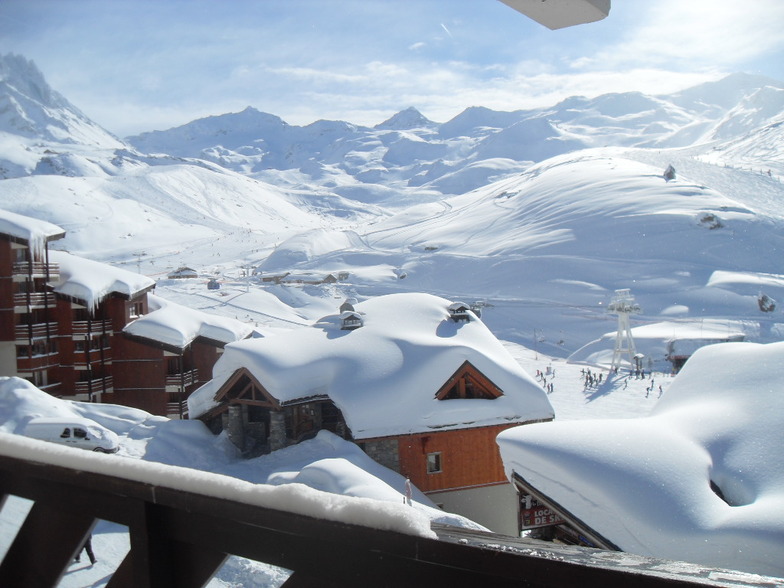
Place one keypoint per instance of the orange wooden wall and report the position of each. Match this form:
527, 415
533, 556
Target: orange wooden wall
469, 457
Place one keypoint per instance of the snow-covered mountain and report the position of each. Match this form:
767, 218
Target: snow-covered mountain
459, 208
408, 151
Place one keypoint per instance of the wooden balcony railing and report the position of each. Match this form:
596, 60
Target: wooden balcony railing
183, 524
37, 362
36, 269
96, 327
186, 378
24, 300
96, 385
96, 356
177, 410
36, 331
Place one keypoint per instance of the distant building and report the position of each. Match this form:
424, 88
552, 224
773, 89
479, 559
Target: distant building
183, 273
681, 349
421, 394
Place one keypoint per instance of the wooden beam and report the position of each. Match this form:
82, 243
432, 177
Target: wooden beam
45, 546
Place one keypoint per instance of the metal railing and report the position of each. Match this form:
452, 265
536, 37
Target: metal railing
180, 537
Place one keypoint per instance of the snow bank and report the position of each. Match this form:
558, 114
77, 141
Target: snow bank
384, 376
646, 483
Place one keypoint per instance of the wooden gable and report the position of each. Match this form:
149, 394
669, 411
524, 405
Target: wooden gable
468, 382
243, 388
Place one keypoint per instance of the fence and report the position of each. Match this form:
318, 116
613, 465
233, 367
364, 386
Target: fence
180, 538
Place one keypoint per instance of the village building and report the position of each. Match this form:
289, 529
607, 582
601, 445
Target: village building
64, 326
680, 349
183, 273
420, 392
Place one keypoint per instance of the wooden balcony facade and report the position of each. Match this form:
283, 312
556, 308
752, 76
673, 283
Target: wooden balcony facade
35, 269
34, 331
27, 365
81, 329
26, 301
181, 532
94, 385
179, 381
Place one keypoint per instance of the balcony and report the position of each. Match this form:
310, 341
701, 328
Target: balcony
27, 333
97, 356
95, 385
24, 302
182, 526
36, 269
27, 365
177, 410
93, 327
182, 379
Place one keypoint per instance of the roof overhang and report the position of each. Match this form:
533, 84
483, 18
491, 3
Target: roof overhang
558, 14
524, 487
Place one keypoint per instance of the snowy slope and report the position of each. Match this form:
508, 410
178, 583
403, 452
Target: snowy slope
568, 232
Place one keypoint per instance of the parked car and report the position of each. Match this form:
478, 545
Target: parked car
74, 431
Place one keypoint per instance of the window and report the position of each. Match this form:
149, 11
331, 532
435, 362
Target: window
136, 309
434, 463
66, 433
80, 433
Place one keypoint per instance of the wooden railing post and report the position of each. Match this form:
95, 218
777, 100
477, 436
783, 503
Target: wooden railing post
46, 545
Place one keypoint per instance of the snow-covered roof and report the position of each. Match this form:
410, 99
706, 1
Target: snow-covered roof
384, 376
92, 281
177, 326
31, 230
645, 483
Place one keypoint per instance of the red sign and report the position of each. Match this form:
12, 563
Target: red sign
535, 514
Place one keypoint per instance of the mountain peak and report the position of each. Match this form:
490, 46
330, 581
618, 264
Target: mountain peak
407, 119
30, 108
24, 76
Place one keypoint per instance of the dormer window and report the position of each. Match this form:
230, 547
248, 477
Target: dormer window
469, 382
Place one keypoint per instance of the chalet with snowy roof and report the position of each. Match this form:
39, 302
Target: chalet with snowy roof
183, 273
350, 319
459, 311
420, 393
62, 321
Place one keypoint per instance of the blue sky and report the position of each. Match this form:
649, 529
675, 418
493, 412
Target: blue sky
139, 65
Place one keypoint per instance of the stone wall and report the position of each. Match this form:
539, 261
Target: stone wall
385, 452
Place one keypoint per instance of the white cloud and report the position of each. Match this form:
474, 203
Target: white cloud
697, 35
